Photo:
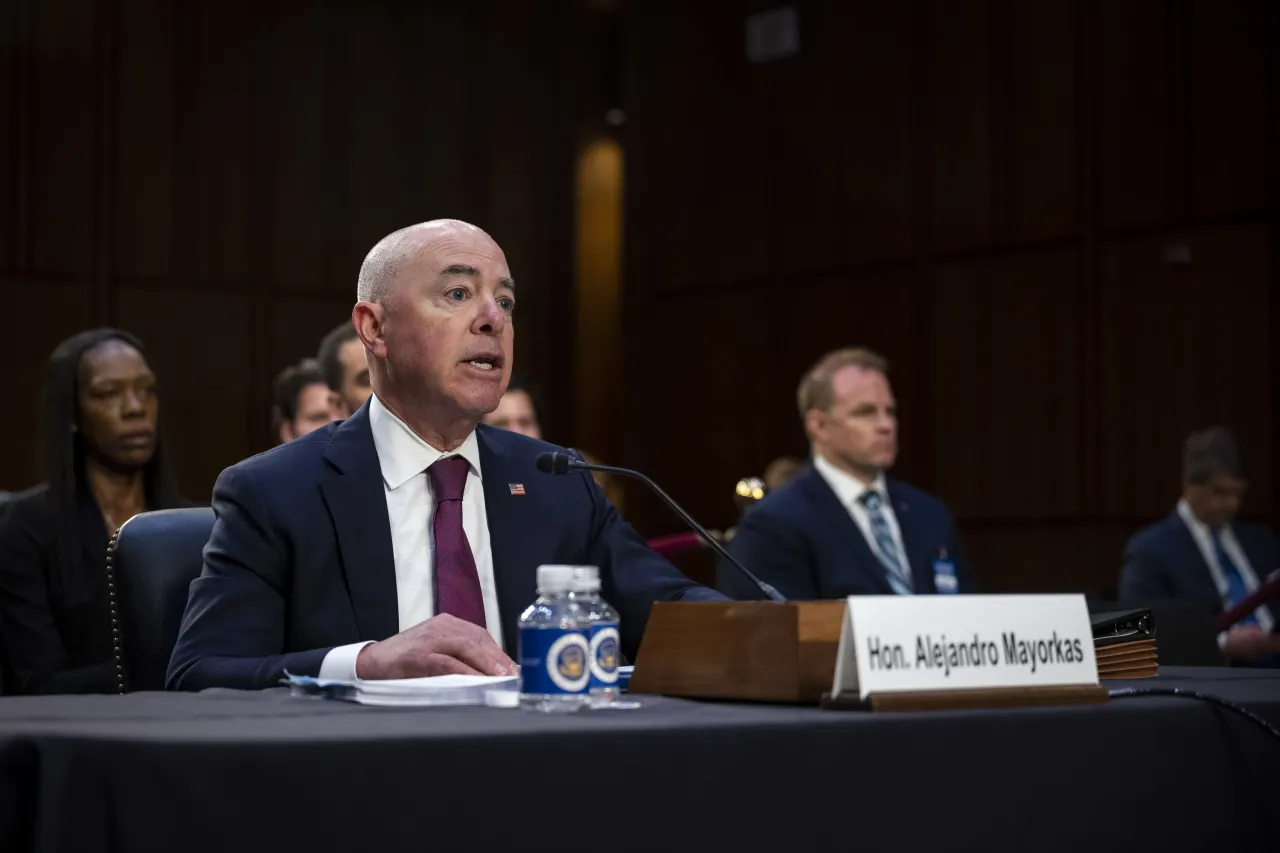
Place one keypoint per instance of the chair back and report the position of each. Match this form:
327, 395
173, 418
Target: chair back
151, 562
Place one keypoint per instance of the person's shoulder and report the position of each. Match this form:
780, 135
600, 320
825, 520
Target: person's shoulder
27, 506
1156, 534
791, 501
513, 448
904, 492
1249, 532
297, 459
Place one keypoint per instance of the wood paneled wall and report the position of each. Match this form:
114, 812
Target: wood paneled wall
1057, 219
209, 176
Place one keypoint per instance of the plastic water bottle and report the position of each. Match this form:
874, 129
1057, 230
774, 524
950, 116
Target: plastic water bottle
603, 640
554, 654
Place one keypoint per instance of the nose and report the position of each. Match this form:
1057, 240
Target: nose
131, 405
490, 319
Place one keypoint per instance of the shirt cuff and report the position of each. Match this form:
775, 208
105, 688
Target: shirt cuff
1222, 641
340, 662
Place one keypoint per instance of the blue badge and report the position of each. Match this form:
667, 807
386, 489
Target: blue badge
944, 575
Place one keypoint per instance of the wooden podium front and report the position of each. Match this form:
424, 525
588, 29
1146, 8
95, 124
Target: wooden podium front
746, 650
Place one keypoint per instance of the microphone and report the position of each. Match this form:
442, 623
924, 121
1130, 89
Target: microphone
563, 463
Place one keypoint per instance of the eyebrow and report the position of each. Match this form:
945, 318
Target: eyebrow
468, 270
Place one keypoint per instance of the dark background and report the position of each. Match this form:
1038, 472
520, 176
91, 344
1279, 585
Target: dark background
1057, 219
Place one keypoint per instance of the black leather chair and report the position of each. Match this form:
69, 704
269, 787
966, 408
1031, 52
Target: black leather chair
151, 561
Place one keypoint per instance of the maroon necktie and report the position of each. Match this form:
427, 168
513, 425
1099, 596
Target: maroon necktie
457, 582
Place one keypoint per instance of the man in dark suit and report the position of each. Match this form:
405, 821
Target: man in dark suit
842, 527
1201, 554
405, 540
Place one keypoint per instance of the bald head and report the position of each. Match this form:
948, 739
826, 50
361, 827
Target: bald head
399, 250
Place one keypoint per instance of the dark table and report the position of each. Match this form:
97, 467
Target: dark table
228, 770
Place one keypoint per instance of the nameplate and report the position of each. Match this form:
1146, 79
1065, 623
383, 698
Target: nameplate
907, 643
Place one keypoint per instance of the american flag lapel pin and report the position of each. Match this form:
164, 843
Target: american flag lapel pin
516, 488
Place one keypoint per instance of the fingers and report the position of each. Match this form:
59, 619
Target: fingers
481, 653
441, 664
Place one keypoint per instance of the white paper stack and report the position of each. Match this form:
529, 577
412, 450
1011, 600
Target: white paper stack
433, 691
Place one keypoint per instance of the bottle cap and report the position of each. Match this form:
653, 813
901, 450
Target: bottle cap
552, 579
586, 578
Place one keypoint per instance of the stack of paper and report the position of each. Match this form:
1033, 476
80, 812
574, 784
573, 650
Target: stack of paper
1134, 659
433, 691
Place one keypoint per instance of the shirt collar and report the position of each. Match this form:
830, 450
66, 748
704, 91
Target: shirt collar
1196, 525
848, 488
402, 454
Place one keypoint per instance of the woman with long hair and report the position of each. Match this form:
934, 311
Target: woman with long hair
104, 463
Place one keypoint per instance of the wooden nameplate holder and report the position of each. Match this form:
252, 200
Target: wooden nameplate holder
748, 650
765, 651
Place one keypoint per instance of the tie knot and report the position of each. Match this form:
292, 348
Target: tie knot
870, 499
449, 478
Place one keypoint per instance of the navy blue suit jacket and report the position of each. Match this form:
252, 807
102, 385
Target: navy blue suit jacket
805, 543
1162, 562
300, 559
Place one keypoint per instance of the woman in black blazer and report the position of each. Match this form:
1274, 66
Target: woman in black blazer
104, 463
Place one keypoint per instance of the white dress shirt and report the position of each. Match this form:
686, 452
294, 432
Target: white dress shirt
1204, 539
849, 491
404, 458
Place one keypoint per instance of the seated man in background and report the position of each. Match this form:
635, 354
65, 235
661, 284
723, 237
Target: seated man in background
405, 540
516, 411
843, 527
1201, 553
303, 402
342, 361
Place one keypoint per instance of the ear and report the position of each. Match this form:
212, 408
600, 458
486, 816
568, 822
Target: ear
813, 423
369, 319
285, 434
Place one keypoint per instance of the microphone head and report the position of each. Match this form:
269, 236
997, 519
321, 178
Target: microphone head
553, 463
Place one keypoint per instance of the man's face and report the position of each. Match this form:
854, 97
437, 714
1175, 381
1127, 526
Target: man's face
860, 432
446, 327
314, 411
355, 377
515, 412
1216, 502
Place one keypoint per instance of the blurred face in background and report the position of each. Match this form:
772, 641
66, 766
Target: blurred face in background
117, 408
355, 388
315, 408
859, 433
515, 412
1217, 501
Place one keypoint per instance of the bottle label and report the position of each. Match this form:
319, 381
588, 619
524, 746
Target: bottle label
944, 577
553, 660
604, 654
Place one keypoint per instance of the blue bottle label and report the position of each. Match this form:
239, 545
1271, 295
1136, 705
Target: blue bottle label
553, 661
944, 577
603, 641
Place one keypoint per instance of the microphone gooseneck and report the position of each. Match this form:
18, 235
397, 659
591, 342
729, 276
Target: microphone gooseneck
563, 463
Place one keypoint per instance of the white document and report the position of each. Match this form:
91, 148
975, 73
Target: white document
436, 690
907, 643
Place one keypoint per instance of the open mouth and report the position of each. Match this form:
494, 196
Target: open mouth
485, 362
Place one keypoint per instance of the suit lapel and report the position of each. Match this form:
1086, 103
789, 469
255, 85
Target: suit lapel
835, 517
510, 522
915, 540
358, 506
